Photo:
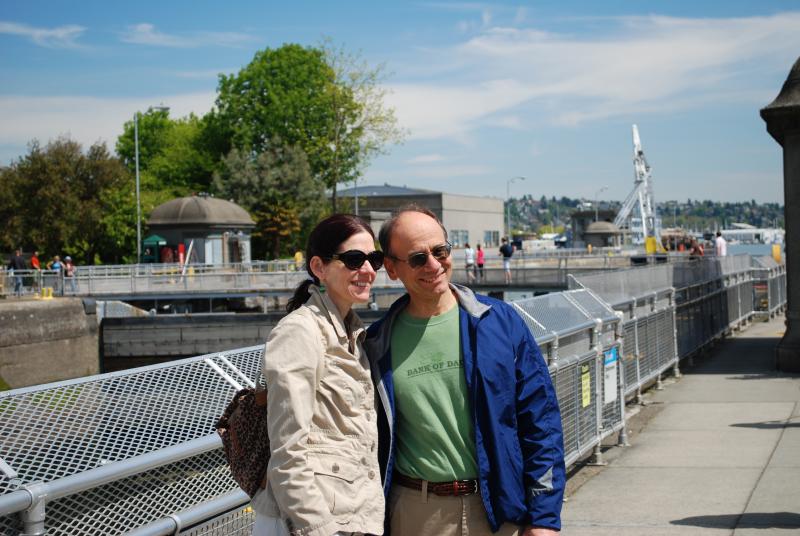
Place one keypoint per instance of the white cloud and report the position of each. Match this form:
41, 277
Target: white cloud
146, 34
513, 122
58, 37
426, 159
638, 65
84, 119
447, 111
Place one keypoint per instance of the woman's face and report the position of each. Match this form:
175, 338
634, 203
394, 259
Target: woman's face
343, 285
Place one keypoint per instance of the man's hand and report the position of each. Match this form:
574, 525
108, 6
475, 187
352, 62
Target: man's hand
538, 531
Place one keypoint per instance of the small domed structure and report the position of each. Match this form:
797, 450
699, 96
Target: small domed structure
602, 234
200, 210
205, 229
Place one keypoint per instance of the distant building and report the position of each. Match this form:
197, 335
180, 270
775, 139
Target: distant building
217, 230
602, 234
467, 218
582, 219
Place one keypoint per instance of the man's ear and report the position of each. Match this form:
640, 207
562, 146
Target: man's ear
317, 267
388, 263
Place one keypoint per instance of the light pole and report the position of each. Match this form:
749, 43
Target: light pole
508, 204
596, 206
675, 215
160, 108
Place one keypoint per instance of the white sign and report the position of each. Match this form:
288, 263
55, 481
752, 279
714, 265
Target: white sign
611, 358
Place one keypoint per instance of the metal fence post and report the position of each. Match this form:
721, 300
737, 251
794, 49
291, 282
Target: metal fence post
597, 453
33, 517
676, 371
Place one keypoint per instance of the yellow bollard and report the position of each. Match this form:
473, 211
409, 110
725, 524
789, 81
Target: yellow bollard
650, 245
776, 252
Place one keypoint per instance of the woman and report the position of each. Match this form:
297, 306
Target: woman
469, 262
323, 477
481, 260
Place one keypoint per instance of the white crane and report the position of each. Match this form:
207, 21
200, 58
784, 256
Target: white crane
638, 212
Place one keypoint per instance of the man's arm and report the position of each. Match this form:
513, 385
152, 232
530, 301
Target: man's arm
540, 435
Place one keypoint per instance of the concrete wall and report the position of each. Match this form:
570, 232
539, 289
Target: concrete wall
46, 341
134, 342
476, 215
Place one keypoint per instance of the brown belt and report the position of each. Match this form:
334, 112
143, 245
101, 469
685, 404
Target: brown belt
456, 488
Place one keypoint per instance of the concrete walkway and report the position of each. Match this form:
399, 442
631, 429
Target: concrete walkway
720, 455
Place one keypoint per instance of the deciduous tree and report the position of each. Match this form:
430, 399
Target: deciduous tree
58, 198
276, 187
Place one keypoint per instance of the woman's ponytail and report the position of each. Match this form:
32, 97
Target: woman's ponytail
300, 296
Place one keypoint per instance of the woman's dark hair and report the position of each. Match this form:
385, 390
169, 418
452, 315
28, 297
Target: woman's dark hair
323, 242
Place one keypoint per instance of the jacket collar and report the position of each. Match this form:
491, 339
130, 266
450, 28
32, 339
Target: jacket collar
382, 332
467, 300
324, 303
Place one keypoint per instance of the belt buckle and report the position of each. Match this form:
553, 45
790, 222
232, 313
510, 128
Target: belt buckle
474, 487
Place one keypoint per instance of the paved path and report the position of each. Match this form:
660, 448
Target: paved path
722, 456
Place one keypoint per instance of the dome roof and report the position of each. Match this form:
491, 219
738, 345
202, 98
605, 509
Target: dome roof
602, 227
200, 210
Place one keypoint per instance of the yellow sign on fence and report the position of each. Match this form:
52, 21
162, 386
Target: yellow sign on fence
586, 386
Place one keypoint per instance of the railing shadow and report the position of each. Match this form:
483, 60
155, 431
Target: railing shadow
750, 520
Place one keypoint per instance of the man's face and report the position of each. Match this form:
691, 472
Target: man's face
413, 233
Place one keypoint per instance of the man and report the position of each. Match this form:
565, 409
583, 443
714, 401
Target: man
470, 430
507, 250
720, 245
37, 276
17, 264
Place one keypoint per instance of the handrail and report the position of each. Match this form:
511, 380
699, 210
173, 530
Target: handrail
198, 513
22, 499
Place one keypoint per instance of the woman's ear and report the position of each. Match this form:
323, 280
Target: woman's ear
317, 267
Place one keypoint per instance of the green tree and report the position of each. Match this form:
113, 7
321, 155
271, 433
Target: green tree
277, 188
282, 93
363, 124
58, 195
322, 100
178, 155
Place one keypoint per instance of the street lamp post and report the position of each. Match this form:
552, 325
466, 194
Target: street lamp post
508, 204
675, 215
161, 108
596, 205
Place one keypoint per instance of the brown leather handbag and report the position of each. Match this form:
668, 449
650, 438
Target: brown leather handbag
243, 429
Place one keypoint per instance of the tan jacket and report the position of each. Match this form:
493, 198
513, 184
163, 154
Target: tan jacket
323, 474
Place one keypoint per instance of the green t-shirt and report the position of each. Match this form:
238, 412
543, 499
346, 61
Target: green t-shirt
435, 439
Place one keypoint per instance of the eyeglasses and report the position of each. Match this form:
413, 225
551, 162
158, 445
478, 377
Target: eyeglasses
354, 259
418, 260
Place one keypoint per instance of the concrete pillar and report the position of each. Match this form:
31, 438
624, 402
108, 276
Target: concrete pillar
783, 123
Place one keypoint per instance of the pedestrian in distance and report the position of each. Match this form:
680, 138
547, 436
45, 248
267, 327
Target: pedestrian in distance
471, 439
695, 248
69, 273
323, 476
506, 251
469, 263
57, 267
720, 245
16, 264
36, 265
481, 260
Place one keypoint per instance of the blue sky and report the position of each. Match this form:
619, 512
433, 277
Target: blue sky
487, 91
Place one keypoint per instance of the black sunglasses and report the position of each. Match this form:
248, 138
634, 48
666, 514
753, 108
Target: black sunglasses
418, 260
354, 259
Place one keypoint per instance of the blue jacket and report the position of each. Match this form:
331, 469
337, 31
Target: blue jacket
518, 438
